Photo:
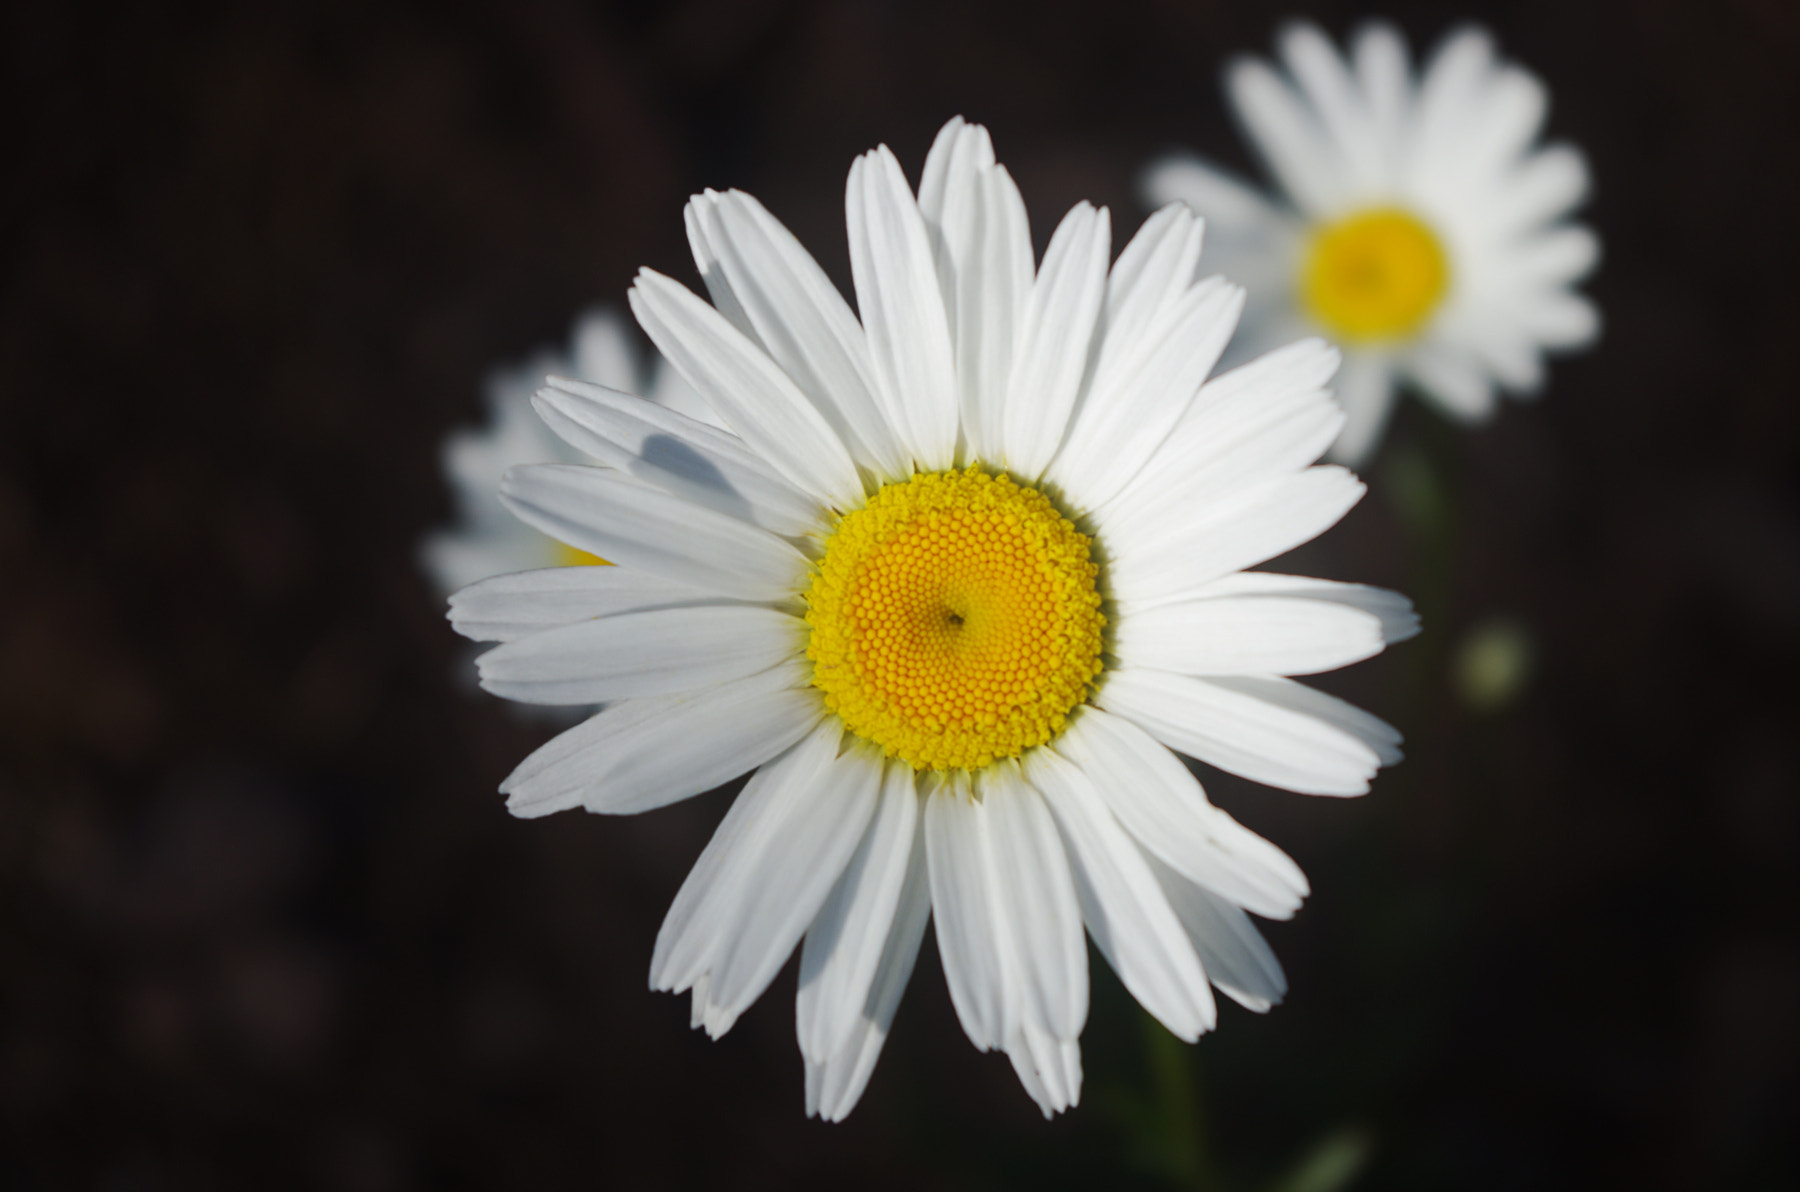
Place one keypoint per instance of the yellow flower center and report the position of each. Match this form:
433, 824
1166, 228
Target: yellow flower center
955, 620
574, 556
1374, 275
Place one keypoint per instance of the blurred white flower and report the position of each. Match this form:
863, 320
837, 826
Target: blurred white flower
1420, 225
486, 540
956, 582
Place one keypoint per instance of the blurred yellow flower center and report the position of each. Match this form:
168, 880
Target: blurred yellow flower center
1378, 274
955, 620
571, 556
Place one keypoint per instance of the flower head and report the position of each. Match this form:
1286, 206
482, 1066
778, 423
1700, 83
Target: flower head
955, 581
1420, 225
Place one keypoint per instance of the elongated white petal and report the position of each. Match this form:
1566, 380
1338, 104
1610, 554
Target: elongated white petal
1375, 733
1248, 635
505, 607
1336, 102
834, 1083
1384, 74
741, 912
1234, 441
1258, 419
1234, 724
1124, 908
971, 923
982, 245
1032, 879
646, 529
793, 311
1249, 527
846, 941
1395, 612
1048, 1066
1365, 389
629, 655
1454, 378
1161, 804
748, 391
670, 451
1054, 339
902, 305
1305, 163
647, 753
1236, 957
1136, 400
1226, 204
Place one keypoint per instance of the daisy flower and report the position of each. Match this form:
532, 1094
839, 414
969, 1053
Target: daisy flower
1420, 225
486, 539
955, 583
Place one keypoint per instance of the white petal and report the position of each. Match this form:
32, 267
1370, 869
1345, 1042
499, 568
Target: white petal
1248, 635
648, 753
671, 451
1234, 954
645, 529
1226, 204
1303, 160
1261, 416
834, 1084
1226, 444
748, 391
1544, 188
1382, 70
1057, 332
1234, 724
631, 655
741, 911
798, 317
1395, 612
1365, 390
982, 245
1033, 882
1161, 804
1125, 910
970, 919
1136, 400
845, 943
902, 306
1376, 734
505, 607
1561, 320
1049, 1067
1232, 533
1336, 101
1454, 378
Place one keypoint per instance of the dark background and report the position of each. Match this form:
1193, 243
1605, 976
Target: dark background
264, 921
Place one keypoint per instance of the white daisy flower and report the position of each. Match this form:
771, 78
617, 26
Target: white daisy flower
956, 582
486, 539
1422, 227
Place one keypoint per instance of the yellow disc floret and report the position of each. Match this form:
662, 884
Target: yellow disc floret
955, 619
1377, 274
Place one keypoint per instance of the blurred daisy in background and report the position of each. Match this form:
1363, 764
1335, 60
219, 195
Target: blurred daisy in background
486, 540
956, 582
1419, 226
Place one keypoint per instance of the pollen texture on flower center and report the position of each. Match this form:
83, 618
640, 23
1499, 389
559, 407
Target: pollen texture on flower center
955, 619
1377, 274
